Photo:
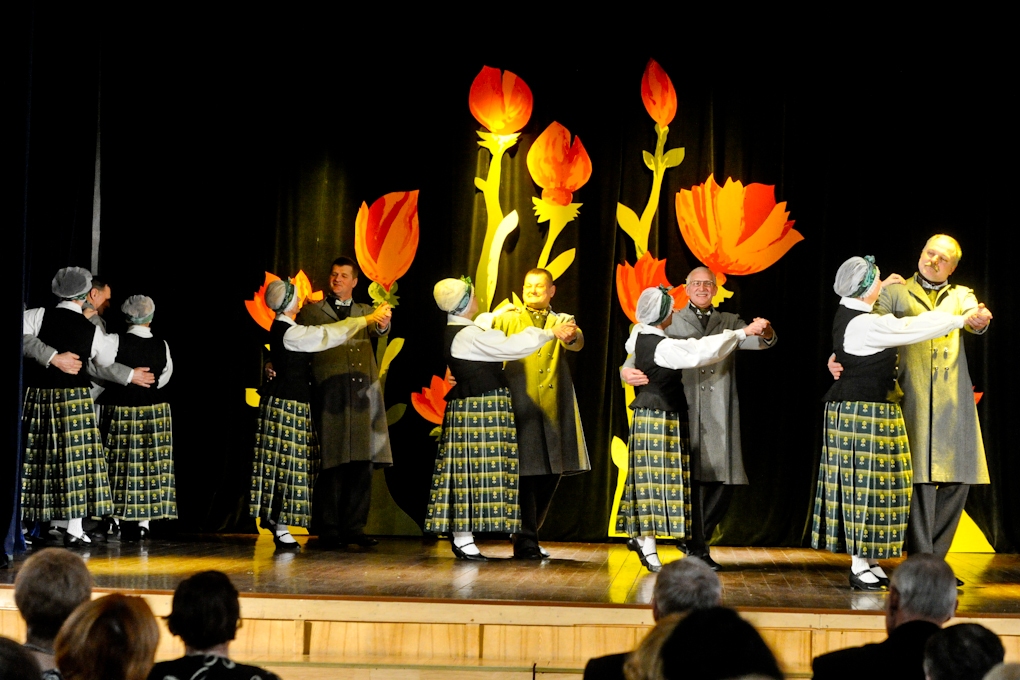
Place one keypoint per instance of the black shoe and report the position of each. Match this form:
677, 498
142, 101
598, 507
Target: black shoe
130, 532
959, 583
709, 562
633, 545
654, 568
461, 555
71, 541
281, 545
857, 584
329, 543
882, 580
531, 552
360, 540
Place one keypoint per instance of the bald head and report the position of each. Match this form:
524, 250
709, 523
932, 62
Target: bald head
701, 287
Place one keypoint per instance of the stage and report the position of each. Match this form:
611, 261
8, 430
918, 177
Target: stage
408, 609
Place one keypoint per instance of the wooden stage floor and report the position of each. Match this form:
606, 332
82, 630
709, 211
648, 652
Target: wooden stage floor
578, 573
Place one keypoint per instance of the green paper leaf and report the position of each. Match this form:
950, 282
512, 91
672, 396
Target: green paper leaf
649, 160
436, 432
392, 350
517, 300
379, 294
505, 228
628, 221
480, 183
560, 264
395, 413
674, 157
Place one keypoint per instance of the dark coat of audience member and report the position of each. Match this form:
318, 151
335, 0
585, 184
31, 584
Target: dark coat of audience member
112, 638
716, 644
50, 585
966, 651
922, 597
680, 587
16, 662
206, 615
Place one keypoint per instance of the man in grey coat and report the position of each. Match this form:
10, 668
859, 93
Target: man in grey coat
349, 415
713, 411
946, 449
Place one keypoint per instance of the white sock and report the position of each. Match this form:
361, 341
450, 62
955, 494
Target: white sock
283, 534
465, 541
74, 528
647, 544
859, 567
60, 524
144, 524
876, 570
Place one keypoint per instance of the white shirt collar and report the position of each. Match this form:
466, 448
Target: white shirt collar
645, 329
286, 319
67, 304
458, 320
856, 304
140, 331
343, 303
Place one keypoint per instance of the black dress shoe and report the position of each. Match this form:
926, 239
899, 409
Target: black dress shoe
633, 545
882, 580
857, 584
531, 552
130, 532
709, 562
293, 546
461, 555
72, 541
654, 568
329, 543
360, 540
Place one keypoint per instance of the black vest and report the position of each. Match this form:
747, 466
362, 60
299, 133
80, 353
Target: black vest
665, 388
474, 378
293, 369
135, 351
863, 378
64, 331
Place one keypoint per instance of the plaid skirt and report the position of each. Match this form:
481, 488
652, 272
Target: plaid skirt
864, 481
656, 497
140, 453
475, 482
64, 473
286, 462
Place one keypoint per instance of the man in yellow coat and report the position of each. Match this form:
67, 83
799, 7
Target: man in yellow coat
550, 442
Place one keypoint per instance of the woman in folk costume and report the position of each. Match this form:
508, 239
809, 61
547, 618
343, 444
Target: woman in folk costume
864, 477
137, 429
286, 449
64, 472
475, 484
656, 497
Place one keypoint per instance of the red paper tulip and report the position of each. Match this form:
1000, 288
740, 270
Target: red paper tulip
557, 166
647, 273
658, 94
430, 403
735, 229
386, 236
264, 316
501, 103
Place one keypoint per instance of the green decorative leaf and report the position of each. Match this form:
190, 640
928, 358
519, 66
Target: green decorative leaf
395, 413
628, 221
379, 294
505, 228
480, 183
436, 432
649, 160
560, 264
392, 350
674, 157
517, 300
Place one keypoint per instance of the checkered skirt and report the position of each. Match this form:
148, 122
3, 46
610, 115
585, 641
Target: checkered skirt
864, 481
140, 453
656, 497
286, 462
64, 473
475, 481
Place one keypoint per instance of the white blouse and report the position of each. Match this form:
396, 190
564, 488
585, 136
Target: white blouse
677, 353
869, 334
475, 343
300, 338
104, 347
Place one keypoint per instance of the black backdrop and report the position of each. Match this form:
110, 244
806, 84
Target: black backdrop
232, 145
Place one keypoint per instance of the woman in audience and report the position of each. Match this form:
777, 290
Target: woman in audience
112, 638
206, 616
16, 662
715, 644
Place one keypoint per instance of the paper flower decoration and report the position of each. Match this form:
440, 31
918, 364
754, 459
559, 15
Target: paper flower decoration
264, 316
658, 94
386, 236
647, 273
735, 229
430, 403
502, 103
557, 166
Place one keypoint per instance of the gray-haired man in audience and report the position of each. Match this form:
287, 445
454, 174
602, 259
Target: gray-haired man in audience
922, 597
681, 587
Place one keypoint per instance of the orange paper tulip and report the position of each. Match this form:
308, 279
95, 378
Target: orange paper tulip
735, 229
430, 403
386, 236
647, 273
264, 316
557, 166
658, 94
502, 103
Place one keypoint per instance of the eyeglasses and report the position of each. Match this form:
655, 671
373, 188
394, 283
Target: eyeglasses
701, 284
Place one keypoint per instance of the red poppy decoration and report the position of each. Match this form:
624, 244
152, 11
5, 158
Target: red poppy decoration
500, 102
556, 165
386, 236
647, 273
430, 403
658, 94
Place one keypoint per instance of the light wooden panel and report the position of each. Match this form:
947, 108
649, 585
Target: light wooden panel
400, 640
12, 625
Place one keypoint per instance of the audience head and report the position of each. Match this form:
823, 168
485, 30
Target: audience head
684, 585
205, 611
50, 585
112, 638
923, 588
966, 651
645, 662
728, 647
16, 663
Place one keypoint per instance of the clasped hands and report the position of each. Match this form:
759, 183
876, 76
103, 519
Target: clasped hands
70, 363
381, 315
565, 332
979, 318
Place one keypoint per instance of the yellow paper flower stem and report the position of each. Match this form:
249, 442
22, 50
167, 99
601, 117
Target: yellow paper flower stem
497, 145
658, 172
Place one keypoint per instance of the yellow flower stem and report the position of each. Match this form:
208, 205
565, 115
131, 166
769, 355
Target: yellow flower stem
653, 200
493, 213
557, 221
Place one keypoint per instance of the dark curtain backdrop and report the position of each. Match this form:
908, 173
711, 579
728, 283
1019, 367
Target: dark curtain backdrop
233, 146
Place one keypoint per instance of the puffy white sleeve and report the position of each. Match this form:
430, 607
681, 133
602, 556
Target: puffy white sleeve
691, 353
104, 348
477, 344
32, 320
320, 338
869, 334
168, 370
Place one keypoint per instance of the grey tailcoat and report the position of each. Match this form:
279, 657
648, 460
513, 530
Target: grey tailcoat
549, 435
938, 396
713, 409
347, 400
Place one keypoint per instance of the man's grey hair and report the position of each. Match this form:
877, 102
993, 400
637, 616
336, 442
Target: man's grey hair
711, 275
926, 586
686, 585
